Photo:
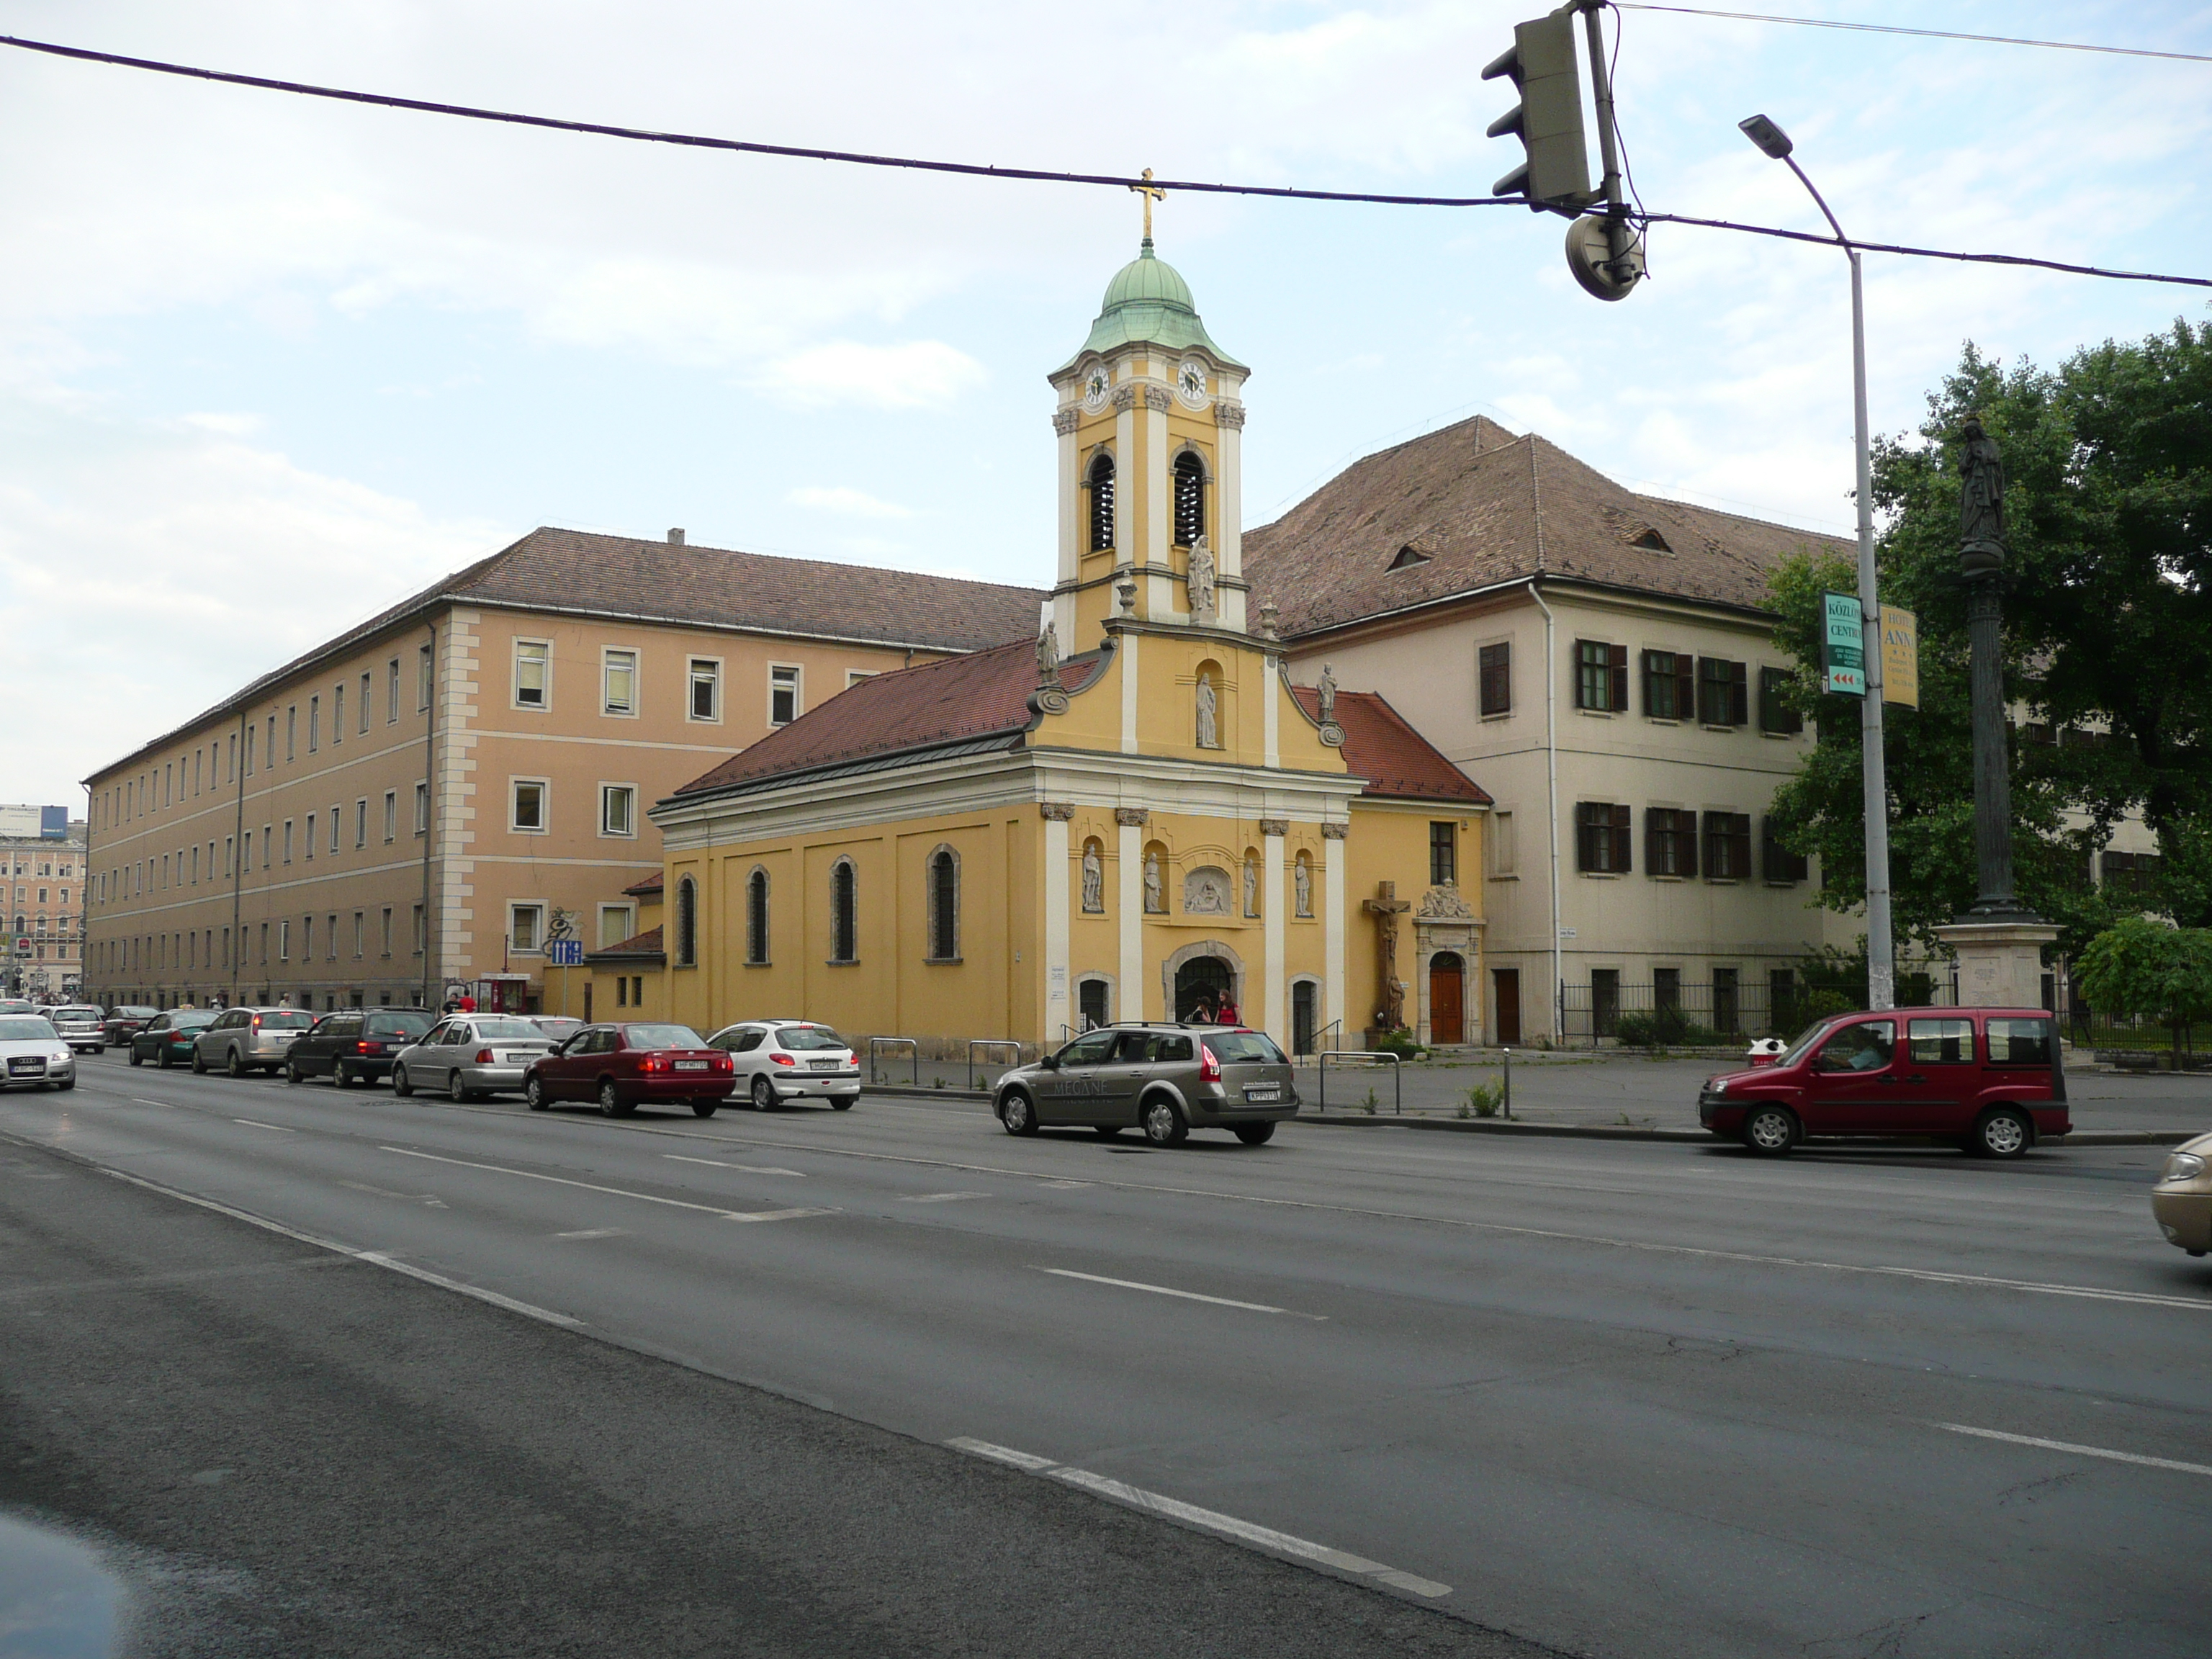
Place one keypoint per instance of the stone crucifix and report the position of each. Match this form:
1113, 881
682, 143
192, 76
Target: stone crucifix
1386, 907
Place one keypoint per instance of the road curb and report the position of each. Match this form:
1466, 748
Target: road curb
1629, 1132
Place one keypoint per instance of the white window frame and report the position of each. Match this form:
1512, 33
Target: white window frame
361, 823
798, 672
854, 676
390, 816
535, 909
607, 655
692, 678
421, 807
544, 678
284, 938
310, 840
338, 827
623, 925
607, 792
515, 788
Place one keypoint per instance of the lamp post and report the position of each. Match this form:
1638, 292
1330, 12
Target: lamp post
1881, 961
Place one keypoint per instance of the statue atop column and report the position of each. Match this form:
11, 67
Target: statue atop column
1981, 500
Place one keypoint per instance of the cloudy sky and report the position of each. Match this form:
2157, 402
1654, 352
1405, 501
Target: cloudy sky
268, 363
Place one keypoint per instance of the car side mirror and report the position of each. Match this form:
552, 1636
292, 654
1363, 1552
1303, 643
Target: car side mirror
1050, 1062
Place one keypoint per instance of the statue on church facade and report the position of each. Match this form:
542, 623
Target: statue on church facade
1209, 732
1251, 885
1047, 655
1094, 879
1156, 898
1326, 695
1302, 879
1199, 582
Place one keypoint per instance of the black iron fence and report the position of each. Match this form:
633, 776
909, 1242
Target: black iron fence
1656, 1012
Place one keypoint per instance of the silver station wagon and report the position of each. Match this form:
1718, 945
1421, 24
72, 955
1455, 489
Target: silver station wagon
1165, 1079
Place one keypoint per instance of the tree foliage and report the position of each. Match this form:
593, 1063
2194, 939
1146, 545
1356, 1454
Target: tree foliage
2108, 628
2139, 966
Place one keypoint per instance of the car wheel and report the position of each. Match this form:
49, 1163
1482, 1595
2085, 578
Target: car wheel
1164, 1124
1770, 1131
611, 1101
340, 1078
2002, 1133
764, 1092
199, 1062
162, 1058
842, 1102
1255, 1134
1107, 1131
293, 1074
533, 1095
456, 1090
137, 1059
233, 1066
402, 1085
705, 1108
1018, 1113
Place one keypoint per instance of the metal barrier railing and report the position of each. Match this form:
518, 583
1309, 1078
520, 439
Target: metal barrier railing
973, 1044
1397, 1074
908, 1043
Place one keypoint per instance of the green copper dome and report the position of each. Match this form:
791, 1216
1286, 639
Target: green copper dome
1149, 303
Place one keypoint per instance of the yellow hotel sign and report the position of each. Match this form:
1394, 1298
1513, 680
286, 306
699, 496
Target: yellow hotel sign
1900, 657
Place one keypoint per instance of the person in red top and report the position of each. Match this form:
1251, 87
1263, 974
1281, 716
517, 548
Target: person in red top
468, 1003
1228, 1014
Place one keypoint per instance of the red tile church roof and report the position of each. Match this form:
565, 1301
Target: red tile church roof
1395, 760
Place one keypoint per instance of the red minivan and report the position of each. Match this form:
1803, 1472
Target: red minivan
1988, 1078
622, 1067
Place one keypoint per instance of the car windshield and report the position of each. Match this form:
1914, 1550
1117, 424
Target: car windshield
1803, 1046
287, 1019
192, 1018
400, 1024
559, 1029
132, 1010
1244, 1048
660, 1037
77, 1014
25, 1028
508, 1030
799, 1038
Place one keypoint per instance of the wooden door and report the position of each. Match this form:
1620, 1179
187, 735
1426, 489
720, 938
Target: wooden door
1508, 981
1446, 998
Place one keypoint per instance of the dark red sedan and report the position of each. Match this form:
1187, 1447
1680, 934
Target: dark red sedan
624, 1067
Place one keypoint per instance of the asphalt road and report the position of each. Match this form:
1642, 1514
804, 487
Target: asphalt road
1629, 1399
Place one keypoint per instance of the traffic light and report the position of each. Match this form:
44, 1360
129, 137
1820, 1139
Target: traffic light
1548, 119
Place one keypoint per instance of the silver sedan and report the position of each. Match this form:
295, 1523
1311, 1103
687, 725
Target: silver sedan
470, 1055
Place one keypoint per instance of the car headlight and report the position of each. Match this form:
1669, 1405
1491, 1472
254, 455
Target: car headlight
1716, 1086
2182, 1166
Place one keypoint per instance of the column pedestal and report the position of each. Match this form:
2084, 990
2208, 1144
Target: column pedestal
2000, 962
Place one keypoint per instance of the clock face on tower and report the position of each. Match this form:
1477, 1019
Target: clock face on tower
1190, 382
1097, 384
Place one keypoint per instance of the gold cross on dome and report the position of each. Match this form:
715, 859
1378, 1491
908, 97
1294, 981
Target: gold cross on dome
1151, 193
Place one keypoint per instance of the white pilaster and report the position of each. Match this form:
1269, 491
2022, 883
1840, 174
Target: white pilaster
1159, 588
1332, 910
1127, 653
1229, 512
1056, 877
1129, 843
1125, 479
1071, 527
1274, 929
1271, 708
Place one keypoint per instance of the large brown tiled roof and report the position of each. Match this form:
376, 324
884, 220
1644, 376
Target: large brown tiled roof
1474, 506
584, 573
959, 699
1394, 759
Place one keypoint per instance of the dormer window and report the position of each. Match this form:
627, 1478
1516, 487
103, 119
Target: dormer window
1100, 483
1189, 499
1409, 556
1651, 542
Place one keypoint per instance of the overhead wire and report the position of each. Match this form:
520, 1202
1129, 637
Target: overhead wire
1929, 35
971, 169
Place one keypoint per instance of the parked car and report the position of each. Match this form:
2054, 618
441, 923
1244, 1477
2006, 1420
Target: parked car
124, 1021
2181, 1202
79, 1024
354, 1045
244, 1040
558, 1028
470, 1055
1987, 1078
778, 1060
1166, 1079
32, 1054
624, 1067
167, 1038
17, 1005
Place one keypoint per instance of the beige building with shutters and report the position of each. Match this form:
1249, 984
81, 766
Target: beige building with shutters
422, 801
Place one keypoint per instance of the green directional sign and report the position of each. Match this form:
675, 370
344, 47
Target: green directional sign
1843, 645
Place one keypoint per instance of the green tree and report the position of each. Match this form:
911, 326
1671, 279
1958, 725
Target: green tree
2108, 622
2138, 966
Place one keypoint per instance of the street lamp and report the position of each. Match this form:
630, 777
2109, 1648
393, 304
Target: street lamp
1882, 962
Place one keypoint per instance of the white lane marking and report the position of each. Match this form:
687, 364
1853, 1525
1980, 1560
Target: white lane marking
1064, 1185
2078, 1451
256, 1123
596, 1232
373, 1257
1187, 1295
938, 1198
385, 1192
617, 1191
1266, 1538
165, 1105
723, 1164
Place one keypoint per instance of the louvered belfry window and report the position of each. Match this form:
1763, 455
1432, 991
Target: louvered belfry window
1101, 484
1189, 499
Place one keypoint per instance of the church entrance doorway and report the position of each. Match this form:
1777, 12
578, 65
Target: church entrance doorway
1447, 998
1201, 986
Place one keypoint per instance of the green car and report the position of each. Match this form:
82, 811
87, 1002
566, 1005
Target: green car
166, 1039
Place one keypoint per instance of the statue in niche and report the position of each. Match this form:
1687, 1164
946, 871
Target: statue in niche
1205, 892
1251, 886
1302, 879
1326, 695
1047, 655
1199, 582
1209, 730
1156, 898
1094, 880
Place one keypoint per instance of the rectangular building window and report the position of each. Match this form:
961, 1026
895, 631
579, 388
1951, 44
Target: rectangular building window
391, 814
1670, 841
311, 835
385, 936
361, 822
525, 926
338, 826
291, 732
1602, 838
1723, 692
360, 935
1667, 990
616, 923
1728, 1012
1443, 852
229, 851
1502, 850
1779, 863
337, 713
283, 940
782, 695
1776, 712
706, 689
526, 809
306, 939
250, 732
1728, 845
1669, 685
421, 808
1494, 677
533, 674
617, 808
854, 676
618, 681
426, 678
367, 683
315, 724
1600, 677
288, 841
420, 931
392, 690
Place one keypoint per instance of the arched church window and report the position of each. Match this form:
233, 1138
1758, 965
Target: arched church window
1100, 483
944, 905
844, 929
687, 923
757, 917
1189, 499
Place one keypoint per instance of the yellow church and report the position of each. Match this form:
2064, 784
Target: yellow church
1134, 814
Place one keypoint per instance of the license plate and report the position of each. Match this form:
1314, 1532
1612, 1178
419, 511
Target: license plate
824, 1064
691, 1065
19, 1067
1263, 1094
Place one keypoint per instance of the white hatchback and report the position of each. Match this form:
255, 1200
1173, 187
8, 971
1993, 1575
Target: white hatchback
779, 1059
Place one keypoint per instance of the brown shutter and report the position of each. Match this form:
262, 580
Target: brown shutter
1739, 694
1686, 686
1619, 654
1623, 828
